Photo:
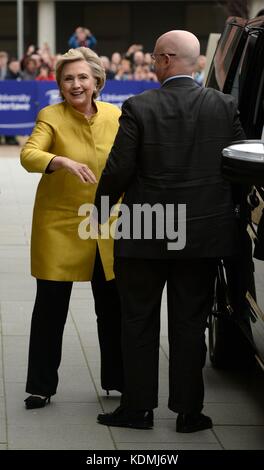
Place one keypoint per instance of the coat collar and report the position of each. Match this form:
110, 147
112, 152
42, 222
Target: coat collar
180, 81
79, 115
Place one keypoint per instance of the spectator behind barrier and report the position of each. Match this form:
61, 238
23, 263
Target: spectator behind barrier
45, 73
3, 64
199, 70
107, 66
82, 37
124, 71
30, 69
13, 70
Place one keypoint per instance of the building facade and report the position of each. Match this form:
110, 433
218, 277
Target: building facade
116, 24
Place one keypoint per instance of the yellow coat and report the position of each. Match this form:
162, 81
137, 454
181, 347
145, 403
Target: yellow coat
57, 251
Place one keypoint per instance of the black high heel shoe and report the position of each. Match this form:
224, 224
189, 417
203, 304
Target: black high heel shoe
33, 401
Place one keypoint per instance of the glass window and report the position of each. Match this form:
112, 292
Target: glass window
227, 56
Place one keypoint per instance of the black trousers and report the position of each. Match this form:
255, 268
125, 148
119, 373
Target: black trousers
189, 288
47, 326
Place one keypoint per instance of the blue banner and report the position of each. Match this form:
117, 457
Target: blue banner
20, 102
17, 107
48, 93
116, 92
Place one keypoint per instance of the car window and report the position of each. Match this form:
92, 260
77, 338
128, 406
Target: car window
238, 69
227, 56
243, 69
250, 80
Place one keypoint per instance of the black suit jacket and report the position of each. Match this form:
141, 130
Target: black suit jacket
168, 152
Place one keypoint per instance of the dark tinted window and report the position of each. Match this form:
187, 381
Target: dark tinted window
251, 84
227, 56
238, 69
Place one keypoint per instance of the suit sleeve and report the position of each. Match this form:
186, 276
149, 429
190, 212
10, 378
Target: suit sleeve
120, 168
238, 131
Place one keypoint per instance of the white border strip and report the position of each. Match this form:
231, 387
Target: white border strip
17, 126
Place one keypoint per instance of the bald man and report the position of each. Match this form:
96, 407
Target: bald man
166, 159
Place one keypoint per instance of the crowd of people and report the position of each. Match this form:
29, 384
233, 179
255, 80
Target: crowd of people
39, 63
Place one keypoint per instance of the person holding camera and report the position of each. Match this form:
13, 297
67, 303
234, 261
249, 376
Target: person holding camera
82, 37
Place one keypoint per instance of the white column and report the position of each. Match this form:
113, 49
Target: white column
254, 7
46, 24
20, 29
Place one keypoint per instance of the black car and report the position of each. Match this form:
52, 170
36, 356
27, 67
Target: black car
236, 323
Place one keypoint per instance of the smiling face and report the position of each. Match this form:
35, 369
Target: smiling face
78, 85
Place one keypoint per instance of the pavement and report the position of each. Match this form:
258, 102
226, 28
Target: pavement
234, 400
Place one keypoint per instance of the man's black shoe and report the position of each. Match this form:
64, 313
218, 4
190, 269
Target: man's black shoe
126, 418
191, 422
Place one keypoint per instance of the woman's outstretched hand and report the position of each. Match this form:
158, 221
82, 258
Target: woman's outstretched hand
80, 170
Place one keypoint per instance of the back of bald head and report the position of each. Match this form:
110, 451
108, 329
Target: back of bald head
182, 43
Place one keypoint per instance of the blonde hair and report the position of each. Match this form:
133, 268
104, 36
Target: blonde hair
92, 59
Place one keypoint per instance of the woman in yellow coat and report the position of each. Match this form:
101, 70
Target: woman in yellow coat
69, 146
